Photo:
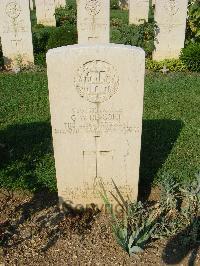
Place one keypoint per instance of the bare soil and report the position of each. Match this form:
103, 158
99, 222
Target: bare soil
34, 232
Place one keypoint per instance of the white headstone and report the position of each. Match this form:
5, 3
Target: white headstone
153, 2
138, 11
60, 3
96, 102
93, 21
45, 12
15, 32
31, 4
170, 16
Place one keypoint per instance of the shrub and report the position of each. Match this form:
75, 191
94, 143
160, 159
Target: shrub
114, 4
190, 56
172, 65
45, 38
138, 35
40, 59
62, 36
135, 227
193, 21
66, 15
41, 36
176, 213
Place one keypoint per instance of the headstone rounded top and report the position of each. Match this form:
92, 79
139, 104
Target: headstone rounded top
96, 103
97, 47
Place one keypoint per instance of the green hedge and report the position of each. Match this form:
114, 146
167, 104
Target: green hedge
114, 4
173, 65
62, 36
190, 56
45, 38
41, 36
142, 35
193, 22
136, 35
66, 15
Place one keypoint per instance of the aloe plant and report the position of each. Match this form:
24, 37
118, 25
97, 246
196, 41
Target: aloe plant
131, 236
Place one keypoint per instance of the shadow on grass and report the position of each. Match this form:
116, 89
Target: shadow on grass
158, 139
26, 157
186, 242
26, 154
26, 161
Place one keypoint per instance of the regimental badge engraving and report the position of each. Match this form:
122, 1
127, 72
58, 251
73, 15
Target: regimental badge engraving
97, 81
93, 7
172, 7
13, 10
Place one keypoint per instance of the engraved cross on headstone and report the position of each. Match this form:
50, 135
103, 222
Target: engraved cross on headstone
16, 42
97, 155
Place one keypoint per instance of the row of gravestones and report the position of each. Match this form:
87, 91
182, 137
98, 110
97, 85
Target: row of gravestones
96, 102
93, 22
170, 16
15, 27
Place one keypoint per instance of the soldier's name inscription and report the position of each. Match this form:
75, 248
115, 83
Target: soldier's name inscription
96, 122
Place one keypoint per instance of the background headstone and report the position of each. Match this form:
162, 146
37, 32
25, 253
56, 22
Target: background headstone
15, 32
45, 12
170, 16
96, 102
124, 4
60, 3
138, 11
93, 21
31, 4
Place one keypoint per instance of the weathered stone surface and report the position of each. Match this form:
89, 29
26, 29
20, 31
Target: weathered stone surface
45, 12
138, 11
15, 32
31, 4
60, 3
93, 21
170, 16
96, 102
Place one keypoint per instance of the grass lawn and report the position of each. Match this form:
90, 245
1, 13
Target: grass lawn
119, 14
170, 141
